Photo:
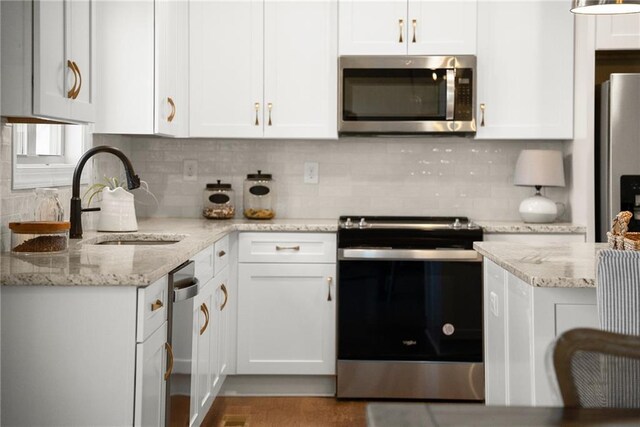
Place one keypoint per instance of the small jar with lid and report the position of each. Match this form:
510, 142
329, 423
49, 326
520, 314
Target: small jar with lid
259, 196
39, 236
218, 201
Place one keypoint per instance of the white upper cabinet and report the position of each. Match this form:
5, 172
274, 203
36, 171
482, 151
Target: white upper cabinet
615, 32
226, 69
525, 70
143, 62
300, 71
414, 27
264, 69
48, 60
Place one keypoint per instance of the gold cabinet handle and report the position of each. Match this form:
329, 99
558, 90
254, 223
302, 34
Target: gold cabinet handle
269, 106
226, 296
205, 310
75, 64
414, 24
287, 248
170, 364
157, 305
72, 91
401, 24
221, 254
329, 280
257, 107
482, 107
173, 109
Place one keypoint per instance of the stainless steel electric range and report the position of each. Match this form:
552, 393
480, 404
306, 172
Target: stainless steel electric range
409, 308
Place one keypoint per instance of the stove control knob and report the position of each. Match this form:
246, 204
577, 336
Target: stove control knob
472, 225
363, 223
347, 223
456, 224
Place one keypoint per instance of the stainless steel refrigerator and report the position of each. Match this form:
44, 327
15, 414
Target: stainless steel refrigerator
618, 156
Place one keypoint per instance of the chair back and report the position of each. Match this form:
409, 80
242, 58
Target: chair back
618, 291
598, 369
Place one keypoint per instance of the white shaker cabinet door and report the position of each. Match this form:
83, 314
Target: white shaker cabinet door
286, 320
205, 320
495, 330
300, 69
525, 70
438, 27
373, 27
615, 32
82, 52
53, 76
226, 68
151, 364
171, 67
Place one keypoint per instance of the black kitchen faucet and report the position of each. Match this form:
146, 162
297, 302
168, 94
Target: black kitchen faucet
75, 215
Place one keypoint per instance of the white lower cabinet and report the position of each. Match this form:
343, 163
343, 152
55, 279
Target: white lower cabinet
286, 320
151, 386
81, 355
286, 304
520, 324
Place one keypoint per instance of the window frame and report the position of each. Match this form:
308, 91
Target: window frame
51, 171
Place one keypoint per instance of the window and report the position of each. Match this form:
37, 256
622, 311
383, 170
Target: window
45, 155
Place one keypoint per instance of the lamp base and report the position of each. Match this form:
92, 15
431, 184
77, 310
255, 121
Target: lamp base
538, 209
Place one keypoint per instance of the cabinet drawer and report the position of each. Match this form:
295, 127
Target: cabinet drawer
287, 247
152, 308
221, 254
204, 267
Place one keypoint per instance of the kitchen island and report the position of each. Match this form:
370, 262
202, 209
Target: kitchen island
532, 294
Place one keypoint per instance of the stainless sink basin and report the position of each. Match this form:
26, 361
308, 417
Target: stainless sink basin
137, 242
135, 239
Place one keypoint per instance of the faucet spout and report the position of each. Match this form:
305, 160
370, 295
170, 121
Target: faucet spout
75, 214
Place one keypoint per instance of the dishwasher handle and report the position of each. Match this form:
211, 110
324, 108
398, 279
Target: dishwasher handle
454, 255
185, 292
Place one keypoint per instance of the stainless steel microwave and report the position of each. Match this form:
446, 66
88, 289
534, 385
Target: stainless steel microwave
406, 94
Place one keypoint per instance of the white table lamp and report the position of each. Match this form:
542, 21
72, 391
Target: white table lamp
539, 168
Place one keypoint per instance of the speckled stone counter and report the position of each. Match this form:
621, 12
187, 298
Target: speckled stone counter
562, 265
522, 227
88, 264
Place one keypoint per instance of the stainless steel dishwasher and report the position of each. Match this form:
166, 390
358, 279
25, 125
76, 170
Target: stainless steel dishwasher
184, 286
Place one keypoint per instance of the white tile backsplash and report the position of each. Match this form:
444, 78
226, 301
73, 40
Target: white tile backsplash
364, 175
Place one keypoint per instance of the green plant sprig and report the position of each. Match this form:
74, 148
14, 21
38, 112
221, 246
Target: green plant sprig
111, 182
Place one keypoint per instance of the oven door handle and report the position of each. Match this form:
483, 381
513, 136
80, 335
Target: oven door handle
454, 255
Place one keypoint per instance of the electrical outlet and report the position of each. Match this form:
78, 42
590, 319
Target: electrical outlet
310, 172
190, 170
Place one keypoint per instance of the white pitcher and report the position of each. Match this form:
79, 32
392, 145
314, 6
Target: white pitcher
117, 211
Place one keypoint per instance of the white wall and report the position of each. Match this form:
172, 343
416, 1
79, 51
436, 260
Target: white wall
581, 149
373, 176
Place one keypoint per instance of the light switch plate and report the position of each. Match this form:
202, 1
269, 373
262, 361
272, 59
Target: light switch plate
190, 170
310, 172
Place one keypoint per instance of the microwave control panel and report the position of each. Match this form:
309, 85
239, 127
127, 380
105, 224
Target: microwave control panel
464, 95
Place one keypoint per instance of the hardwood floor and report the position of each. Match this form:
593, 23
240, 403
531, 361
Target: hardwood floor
285, 412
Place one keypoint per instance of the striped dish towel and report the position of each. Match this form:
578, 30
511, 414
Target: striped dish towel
618, 291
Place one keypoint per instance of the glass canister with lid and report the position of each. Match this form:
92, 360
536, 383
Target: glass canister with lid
259, 196
218, 201
48, 207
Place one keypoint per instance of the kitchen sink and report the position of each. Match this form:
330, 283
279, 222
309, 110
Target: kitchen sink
136, 239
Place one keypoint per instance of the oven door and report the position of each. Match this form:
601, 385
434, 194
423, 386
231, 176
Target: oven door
410, 305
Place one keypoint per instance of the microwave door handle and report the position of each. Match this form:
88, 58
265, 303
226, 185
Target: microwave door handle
451, 92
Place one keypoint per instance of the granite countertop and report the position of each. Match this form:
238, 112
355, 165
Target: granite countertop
561, 265
86, 264
523, 227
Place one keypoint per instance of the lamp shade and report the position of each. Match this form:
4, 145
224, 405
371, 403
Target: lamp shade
539, 168
605, 7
